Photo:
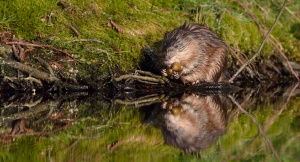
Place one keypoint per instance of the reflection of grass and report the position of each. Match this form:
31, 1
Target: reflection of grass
88, 139
243, 141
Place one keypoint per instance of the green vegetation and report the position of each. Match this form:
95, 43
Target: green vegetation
47, 22
144, 23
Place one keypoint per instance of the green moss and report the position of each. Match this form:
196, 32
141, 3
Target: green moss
143, 23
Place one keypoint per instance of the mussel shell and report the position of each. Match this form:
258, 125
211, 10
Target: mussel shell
169, 71
176, 110
176, 66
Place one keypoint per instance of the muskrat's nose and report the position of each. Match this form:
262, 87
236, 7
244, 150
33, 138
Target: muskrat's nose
167, 64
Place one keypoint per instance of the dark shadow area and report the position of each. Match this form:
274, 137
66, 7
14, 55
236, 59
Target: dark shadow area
295, 30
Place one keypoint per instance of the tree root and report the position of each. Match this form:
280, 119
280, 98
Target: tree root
29, 70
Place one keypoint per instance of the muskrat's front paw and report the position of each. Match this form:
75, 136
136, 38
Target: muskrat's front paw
164, 72
195, 95
164, 105
195, 82
176, 102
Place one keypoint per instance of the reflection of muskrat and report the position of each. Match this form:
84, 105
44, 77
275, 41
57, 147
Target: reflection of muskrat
196, 122
194, 54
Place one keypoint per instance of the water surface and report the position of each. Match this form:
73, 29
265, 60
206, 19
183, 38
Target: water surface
257, 123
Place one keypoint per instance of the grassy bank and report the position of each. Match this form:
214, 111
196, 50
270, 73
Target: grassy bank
139, 23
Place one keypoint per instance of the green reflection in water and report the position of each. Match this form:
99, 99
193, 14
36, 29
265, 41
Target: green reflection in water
120, 136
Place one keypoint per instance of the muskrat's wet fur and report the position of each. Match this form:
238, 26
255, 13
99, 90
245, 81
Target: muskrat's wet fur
201, 53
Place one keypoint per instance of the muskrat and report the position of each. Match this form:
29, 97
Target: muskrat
193, 53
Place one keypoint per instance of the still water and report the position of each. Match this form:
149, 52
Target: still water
255, 123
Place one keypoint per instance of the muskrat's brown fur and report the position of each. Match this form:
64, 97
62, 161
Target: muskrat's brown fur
201, 53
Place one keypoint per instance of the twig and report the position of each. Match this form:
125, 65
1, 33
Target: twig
262, 30
292, 14
257, 124
31, 79
46, 65
21, 53
87, 137
139, 102
150, 77
133, 76
87, 40
40, 46
283, 107
145, 82
31, 71
288, 143
72, 145
112, 147
287, 61
38, 108
147, 73
15, 52
73, 29
234, 51
261, 46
